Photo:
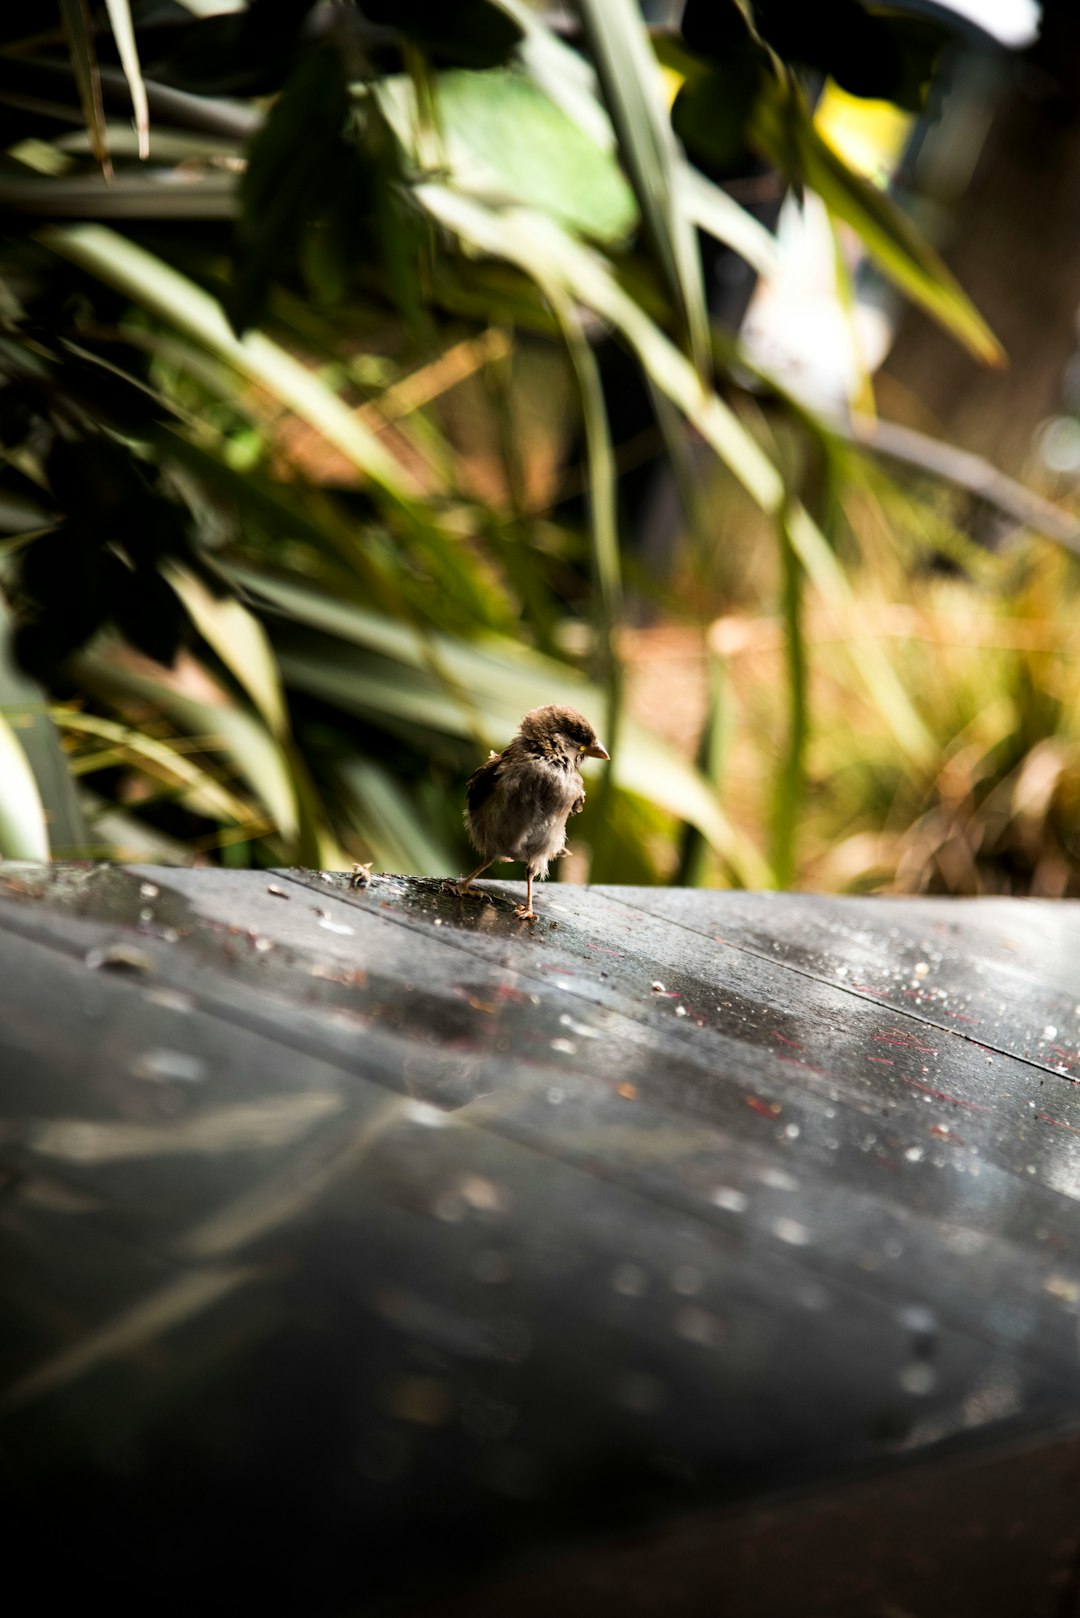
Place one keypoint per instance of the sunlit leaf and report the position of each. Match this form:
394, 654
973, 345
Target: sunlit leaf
539, 247
245, 742
124, 34
781, 119
23, 832
630, 77
239, 640
158, 287
477, 690
23, 702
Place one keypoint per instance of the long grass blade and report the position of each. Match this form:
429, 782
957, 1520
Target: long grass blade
791, 775
124, 34
24, 834
630, 77
79, 30
540, 248
23, 703
173, 298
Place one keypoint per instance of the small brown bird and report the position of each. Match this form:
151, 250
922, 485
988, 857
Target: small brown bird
518, 803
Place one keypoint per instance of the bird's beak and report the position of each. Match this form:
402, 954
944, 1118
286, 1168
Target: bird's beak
597, 751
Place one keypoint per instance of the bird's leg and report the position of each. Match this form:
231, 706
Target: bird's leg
526, 911
466, 881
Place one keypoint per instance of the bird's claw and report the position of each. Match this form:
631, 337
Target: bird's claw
525, 912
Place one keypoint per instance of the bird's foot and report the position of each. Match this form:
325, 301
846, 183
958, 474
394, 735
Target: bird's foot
465, 886
361, 876
525, 912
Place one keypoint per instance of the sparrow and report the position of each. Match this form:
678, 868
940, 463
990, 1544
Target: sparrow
518, 803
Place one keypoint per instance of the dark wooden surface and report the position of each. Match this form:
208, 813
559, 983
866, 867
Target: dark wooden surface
381, 1252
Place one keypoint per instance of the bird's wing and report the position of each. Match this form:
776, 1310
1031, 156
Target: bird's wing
482, 783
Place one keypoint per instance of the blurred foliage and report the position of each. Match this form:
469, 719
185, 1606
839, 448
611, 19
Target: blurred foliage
299, 395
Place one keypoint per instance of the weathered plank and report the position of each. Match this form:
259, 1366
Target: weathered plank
399, 1217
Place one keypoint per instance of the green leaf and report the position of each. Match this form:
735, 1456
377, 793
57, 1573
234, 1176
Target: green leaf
630, 77
240, 641
505, 138
289, 177
477, 690
461, 33
385, 815
24, 705
541, 249
785, 132
23, 831
124, 34
254, 753
169, 295
79, 29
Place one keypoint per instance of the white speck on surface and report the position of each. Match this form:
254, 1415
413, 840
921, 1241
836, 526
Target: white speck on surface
778, 1180
680, 1011
630, 1280
425, 1115
686, 1280
658, 988
1063, 1287
915, 1154
918, 1378
487, 1196
726, 1196
438, 921
699, 1326
792, 1232
1049, 1032
149, 890
792, 1131
146, 914
921, 968
581, 1029
556, 1096
171, 999
264, 945
915, 1317
161, 1065
333, 926
565, 1046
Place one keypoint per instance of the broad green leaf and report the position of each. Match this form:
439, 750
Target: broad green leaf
506, 140
23, 832
781, 125
240, 641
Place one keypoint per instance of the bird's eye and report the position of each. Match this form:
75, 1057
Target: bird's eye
581, 749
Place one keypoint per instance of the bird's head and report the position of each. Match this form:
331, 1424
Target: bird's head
564, 729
